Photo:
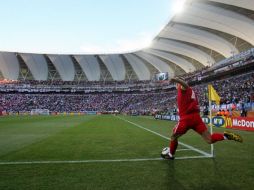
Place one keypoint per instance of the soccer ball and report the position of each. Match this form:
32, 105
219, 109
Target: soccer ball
165, 151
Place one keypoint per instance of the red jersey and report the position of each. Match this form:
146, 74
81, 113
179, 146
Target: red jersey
187, 101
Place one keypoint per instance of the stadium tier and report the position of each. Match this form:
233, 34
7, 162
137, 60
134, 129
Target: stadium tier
142, 98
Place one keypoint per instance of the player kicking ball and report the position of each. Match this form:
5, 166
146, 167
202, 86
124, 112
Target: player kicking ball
190, 119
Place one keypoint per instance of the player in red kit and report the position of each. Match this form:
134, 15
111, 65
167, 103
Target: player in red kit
190, 119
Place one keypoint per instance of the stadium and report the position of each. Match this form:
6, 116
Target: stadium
100, 121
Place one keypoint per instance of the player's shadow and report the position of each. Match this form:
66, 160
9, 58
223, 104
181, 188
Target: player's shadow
172, 181
219, 174
176, 181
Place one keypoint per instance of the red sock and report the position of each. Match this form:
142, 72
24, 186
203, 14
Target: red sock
173, 146
217, 137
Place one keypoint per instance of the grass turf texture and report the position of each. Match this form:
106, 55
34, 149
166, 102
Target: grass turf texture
56, 138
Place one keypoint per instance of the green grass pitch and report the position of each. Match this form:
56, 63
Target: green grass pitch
107, 152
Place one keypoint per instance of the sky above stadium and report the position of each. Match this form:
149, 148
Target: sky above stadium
82, 26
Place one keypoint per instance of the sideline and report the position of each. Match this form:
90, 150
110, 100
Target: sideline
96, 161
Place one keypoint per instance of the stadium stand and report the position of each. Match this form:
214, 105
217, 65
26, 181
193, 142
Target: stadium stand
144, 97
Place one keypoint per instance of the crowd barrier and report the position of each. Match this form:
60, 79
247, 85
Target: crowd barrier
239, 123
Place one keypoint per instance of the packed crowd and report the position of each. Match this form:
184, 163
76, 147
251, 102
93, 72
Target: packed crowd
232, 90
105, 102
72, 83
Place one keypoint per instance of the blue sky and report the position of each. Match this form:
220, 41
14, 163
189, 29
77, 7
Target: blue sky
81, 26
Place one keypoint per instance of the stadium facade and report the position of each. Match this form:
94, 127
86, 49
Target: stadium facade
204, 34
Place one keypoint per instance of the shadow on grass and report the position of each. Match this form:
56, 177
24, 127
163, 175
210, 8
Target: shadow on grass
172, 181
195, 174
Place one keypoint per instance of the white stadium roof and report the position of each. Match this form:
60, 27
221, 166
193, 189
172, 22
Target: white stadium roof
206, 32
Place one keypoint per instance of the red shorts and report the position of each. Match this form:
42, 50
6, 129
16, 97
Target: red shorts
191, 121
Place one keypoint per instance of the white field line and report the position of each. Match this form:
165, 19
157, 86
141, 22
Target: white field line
183, 149
78, 161
96, 161
85, 161
158, 134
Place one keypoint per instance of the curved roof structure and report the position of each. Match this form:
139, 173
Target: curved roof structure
37, 65
9, 65
217, 18
183, 63
183, 49
115, 66
138, 66
160, 65
199, 37
64, 66
206, 32
90, 66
